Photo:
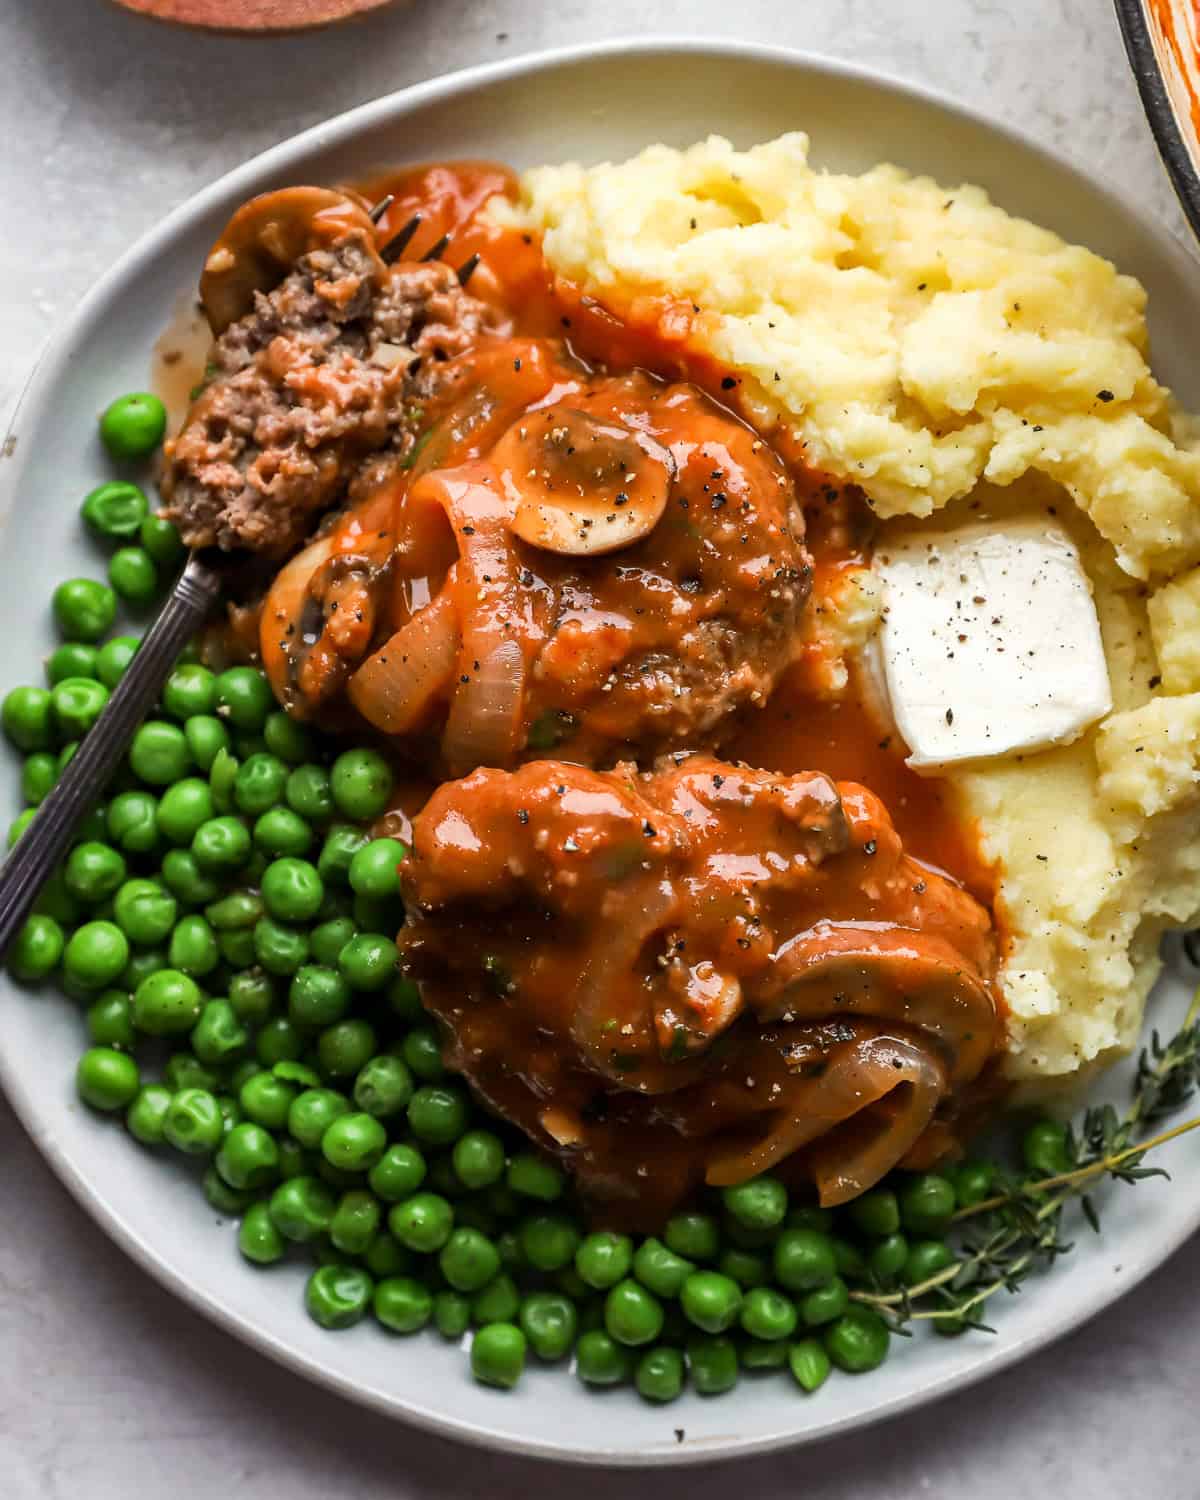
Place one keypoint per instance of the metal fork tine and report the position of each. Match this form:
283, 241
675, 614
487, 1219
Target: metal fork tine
467, 270
377, 212
438, 249
395, 247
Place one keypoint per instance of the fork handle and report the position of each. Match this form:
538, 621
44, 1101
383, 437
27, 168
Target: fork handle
44, 843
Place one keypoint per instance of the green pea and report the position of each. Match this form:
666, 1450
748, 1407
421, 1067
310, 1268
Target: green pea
746, 1267
280, 832
660, 1269
341, 844
355, 1222
713, 1363
258, 1239
327, 940
478, 1157
19, 825
404, 999
498, 1355
354, 1142
205, 737
809, 1364
317, 996
768, 1314
292, 890
825, 1303
443, 1178
93, 872
166, 1003
469, 1260
398, 1173
56, 901
194, 1124
186, 880
71, 659
695, 1236
84, 610
549, 1241
259, 784
302, 1208
361, 782
313, 1112
887, 1257
549, 1321
193, 947
76, 703
110, 1021
27, 718
711, 1301
287, 739
144, 911
249, 1157
803, 1260
37, 949
386, 1256
378, 914
438, 1114
244, 698
423, 1053
532, 1176
147, 1113
761, 1354
222, 844
231, 1202
134, 577
115, 510
159, 753
858, 1341
601, 1360
231, 1111
189, 690
113, 658
451, 1314
972, 1182
659, 1375
131, 427
402, 1304
375, 868
337, 1296
1044, 1149
106, 1079
185, 808
423, 1222
368, 961
279, 949
384, 1087
252, 995
309, 795
95, 955
925, 1259
926, 1203
38, 775
876, 1213
266, 1099
183, 1071
632, 1315
760, 1203
277, 1041
219, 1036
131, 822
162, 541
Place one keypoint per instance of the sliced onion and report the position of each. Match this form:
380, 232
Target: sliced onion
280, 623
859, 1075
483, 728
394, 689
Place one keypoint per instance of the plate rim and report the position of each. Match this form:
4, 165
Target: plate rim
39, 385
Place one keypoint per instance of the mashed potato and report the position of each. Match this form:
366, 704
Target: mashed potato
923, 343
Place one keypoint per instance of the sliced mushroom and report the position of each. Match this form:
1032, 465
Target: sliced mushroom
893, 974
579, 485
266, 237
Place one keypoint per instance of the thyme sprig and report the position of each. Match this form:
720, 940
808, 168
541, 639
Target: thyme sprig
1019, 1228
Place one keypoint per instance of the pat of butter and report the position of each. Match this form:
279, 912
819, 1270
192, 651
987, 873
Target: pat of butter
990, 643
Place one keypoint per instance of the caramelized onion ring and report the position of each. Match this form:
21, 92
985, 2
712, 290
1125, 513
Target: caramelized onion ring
892, 974
394, 688
860, 1074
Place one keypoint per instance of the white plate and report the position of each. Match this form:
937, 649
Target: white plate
592, 103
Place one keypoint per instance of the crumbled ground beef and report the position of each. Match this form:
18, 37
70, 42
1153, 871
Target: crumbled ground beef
321, 373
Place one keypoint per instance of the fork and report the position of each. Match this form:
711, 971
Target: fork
193, 595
